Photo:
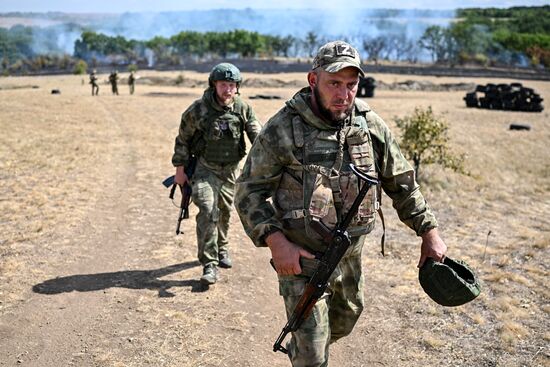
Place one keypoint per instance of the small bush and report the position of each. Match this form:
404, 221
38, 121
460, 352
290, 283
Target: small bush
425, 140
80, 67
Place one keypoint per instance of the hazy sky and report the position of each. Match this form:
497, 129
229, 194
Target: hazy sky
119, 6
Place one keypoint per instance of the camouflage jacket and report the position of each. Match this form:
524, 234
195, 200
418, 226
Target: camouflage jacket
212, 132
275, 152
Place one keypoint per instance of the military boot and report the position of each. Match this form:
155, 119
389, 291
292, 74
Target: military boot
225, 261
209, 274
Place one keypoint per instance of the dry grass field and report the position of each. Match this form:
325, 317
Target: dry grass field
92, 274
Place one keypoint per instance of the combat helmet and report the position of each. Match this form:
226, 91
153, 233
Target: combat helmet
451, 283
225, 71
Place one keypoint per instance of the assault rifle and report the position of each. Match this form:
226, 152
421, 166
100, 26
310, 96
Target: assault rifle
338, 241
185, 190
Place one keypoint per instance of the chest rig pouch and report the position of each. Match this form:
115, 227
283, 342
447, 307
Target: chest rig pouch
323, 188
222, 135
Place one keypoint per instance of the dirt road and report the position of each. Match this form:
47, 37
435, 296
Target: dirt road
92, 274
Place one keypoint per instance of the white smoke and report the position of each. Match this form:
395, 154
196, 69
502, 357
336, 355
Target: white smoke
329, 23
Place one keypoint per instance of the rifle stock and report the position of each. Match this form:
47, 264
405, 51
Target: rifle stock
338, 241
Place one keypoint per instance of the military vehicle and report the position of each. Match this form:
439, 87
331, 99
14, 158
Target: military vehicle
366, 87
512, 97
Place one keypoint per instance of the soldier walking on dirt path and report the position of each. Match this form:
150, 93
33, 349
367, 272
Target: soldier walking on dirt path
298, 171
132, 82
212, 130
113, 79
93, 82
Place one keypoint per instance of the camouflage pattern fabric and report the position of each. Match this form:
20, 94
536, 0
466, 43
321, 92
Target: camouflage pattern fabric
204, 118
333, 316
263, 201
274, 153
202, 132
213, 194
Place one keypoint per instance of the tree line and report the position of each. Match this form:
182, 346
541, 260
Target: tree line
513, 36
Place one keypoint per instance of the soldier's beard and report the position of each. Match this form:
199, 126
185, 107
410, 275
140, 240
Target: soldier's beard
328, 114
225, 101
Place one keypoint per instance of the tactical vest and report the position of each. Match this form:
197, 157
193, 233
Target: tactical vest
222, 135
323, 187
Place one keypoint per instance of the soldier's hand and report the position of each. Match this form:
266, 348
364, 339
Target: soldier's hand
285, 254
432, 246
180, 177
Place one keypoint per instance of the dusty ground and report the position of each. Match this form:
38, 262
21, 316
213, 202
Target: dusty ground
92, 274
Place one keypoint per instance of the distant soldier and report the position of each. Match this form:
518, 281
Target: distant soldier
132, 82
212, 130
113, 79
93, 82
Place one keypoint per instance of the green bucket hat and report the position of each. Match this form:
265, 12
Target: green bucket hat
337, 55
451, 283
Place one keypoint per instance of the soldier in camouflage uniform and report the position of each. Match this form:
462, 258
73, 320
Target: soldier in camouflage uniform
213, 129
93, 82
297, 171
132, 82
113, 79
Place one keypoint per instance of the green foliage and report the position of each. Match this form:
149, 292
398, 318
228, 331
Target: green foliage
521, 19
486, 35
93, 44
80, 67
15, 43
424, 140
184, 44
132, 67
522, 41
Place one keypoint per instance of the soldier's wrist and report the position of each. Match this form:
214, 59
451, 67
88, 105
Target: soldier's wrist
272, 236
425, 231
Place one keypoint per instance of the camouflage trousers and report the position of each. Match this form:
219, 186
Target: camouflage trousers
333, 316
213, 193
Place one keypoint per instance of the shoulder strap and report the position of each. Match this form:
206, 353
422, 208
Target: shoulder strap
378, 190
378, 205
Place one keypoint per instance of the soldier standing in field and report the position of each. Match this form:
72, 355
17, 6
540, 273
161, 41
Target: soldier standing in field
113, 79
93, 82
132, 82
297, 171
212, 130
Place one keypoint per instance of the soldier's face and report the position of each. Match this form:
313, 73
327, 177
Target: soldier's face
225, 91
335, 92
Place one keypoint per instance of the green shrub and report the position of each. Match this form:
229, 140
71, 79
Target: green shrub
424, 140
80, 67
